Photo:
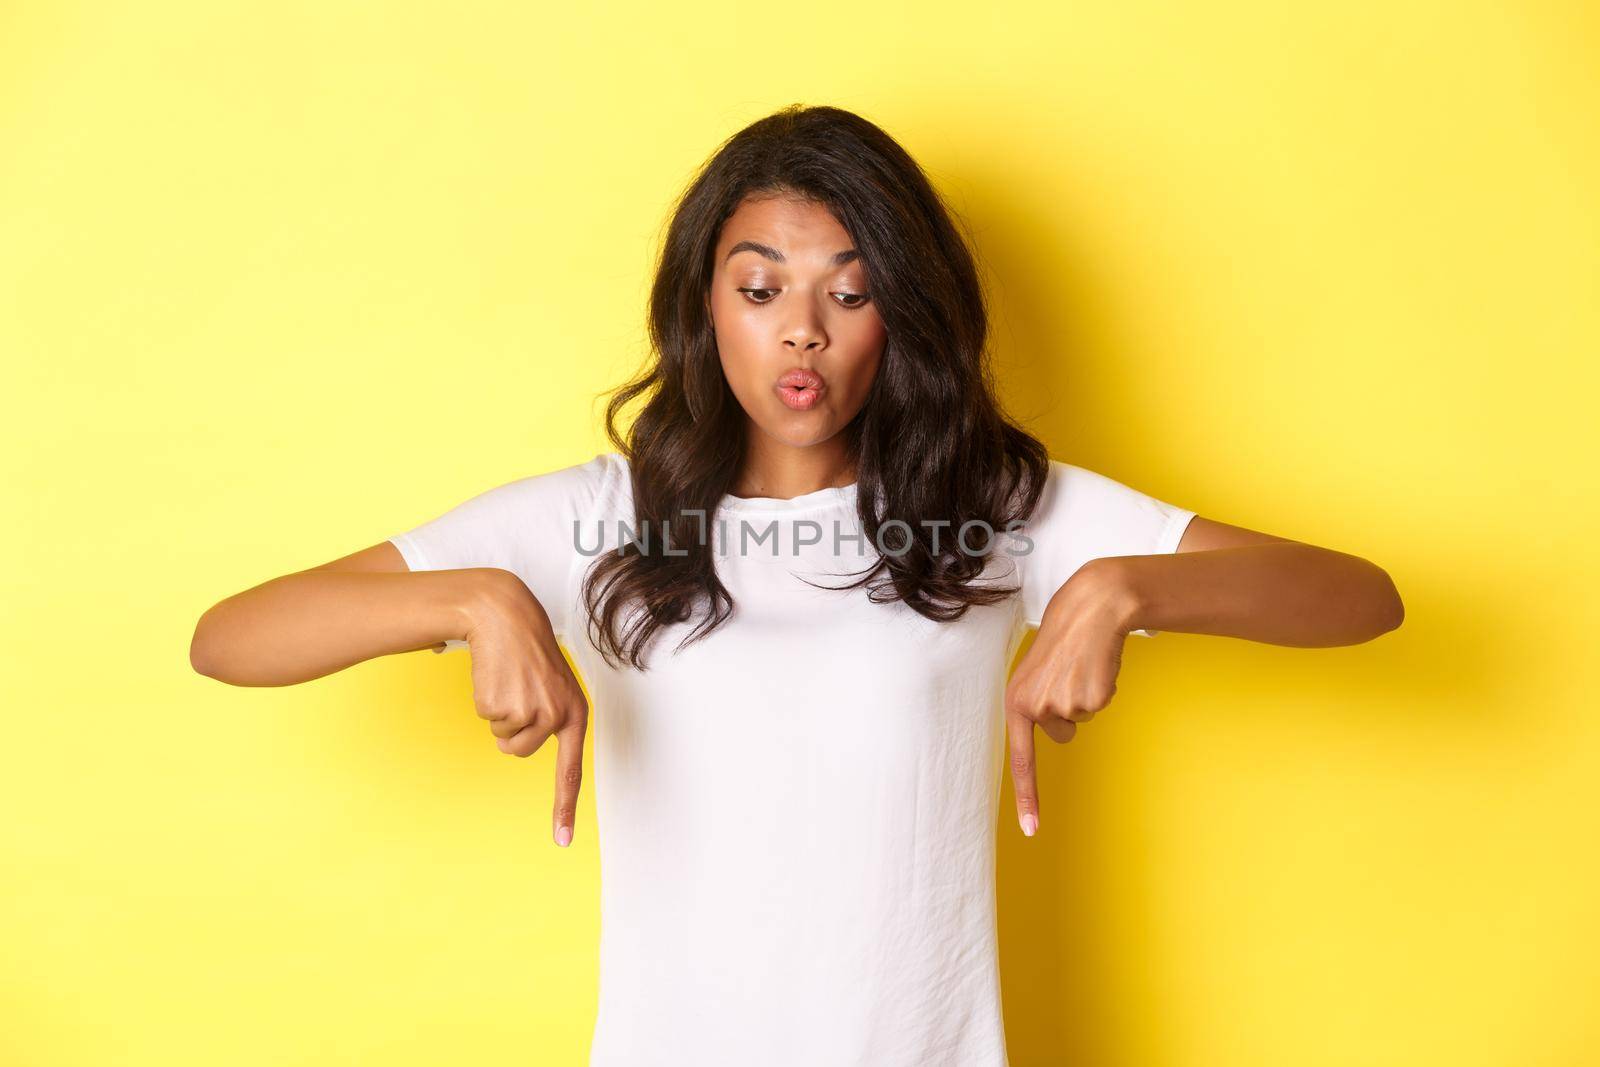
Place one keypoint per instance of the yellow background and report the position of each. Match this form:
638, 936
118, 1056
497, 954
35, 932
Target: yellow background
280, 280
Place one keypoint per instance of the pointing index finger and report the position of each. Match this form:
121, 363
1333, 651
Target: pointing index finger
569, 777
1024, 784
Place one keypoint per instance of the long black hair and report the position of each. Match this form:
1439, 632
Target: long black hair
931, 441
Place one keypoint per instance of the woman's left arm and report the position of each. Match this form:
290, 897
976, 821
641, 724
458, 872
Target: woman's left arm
1232, 582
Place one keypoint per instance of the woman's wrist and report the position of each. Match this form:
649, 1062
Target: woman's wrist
1102, 587
490, 596
476, 596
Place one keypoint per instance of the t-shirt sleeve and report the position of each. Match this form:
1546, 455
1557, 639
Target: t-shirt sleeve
527, 527
1082, 516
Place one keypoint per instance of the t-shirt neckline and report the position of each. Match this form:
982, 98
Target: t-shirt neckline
832, 496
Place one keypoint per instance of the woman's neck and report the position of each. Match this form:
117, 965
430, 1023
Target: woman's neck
783, 472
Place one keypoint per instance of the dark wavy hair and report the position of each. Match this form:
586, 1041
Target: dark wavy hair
931, 441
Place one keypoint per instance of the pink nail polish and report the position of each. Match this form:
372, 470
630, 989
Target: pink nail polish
1030, 823
564, 836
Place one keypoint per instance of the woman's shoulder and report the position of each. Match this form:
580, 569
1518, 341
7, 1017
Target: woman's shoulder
1073, 487
573, 489
608, 483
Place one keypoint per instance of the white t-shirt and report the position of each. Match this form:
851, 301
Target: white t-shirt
796, 815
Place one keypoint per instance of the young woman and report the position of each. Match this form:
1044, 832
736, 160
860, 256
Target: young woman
793, 592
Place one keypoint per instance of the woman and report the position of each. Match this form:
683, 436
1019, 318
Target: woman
793, 592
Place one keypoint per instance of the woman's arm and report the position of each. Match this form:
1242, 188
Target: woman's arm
1232, 582
311, 623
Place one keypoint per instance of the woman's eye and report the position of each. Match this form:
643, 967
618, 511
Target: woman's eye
764, 296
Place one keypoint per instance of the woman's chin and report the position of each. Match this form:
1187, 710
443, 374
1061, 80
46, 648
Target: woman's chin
799, 429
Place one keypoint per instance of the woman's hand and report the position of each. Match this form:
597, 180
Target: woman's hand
522, 684
1069, 673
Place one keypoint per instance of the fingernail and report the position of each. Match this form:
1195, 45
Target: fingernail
1030, 823
564, 836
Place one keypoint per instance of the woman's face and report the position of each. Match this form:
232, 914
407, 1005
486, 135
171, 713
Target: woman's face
797, 332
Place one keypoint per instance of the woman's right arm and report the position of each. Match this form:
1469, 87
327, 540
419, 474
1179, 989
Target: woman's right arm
311, 623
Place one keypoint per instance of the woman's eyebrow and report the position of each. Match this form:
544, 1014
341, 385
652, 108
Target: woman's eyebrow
839, 258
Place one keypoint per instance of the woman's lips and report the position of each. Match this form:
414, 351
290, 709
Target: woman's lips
800, 388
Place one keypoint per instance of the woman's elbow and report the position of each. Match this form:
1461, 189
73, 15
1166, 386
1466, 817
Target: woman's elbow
1391, 610
203, 656
199, 654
